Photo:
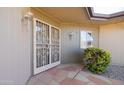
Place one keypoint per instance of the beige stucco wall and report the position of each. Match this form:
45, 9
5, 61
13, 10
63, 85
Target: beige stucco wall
111, 37
14, 47
70, 48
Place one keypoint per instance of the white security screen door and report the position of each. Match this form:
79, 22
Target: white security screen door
46, 46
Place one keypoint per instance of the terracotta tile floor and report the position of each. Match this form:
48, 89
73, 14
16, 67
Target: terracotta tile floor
70, 74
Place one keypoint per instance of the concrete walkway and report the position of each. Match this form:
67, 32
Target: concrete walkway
71, 74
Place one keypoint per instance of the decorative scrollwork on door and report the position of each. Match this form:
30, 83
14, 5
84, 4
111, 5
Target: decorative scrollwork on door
42, 55
42, 44
54, 36
54, 53
55, 45
46, 46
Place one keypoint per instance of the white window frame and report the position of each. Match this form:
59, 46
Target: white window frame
86, 39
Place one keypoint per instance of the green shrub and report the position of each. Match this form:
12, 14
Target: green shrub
96, 60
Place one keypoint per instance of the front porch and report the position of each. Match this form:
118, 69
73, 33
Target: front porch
35, 39
70, 74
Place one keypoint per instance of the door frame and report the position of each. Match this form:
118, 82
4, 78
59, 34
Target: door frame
36, 70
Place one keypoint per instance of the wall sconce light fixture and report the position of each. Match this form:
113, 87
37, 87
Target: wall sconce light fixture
27, 20
71, 35
28, 15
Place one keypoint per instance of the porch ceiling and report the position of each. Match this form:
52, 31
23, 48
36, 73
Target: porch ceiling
75, 15
68, 15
